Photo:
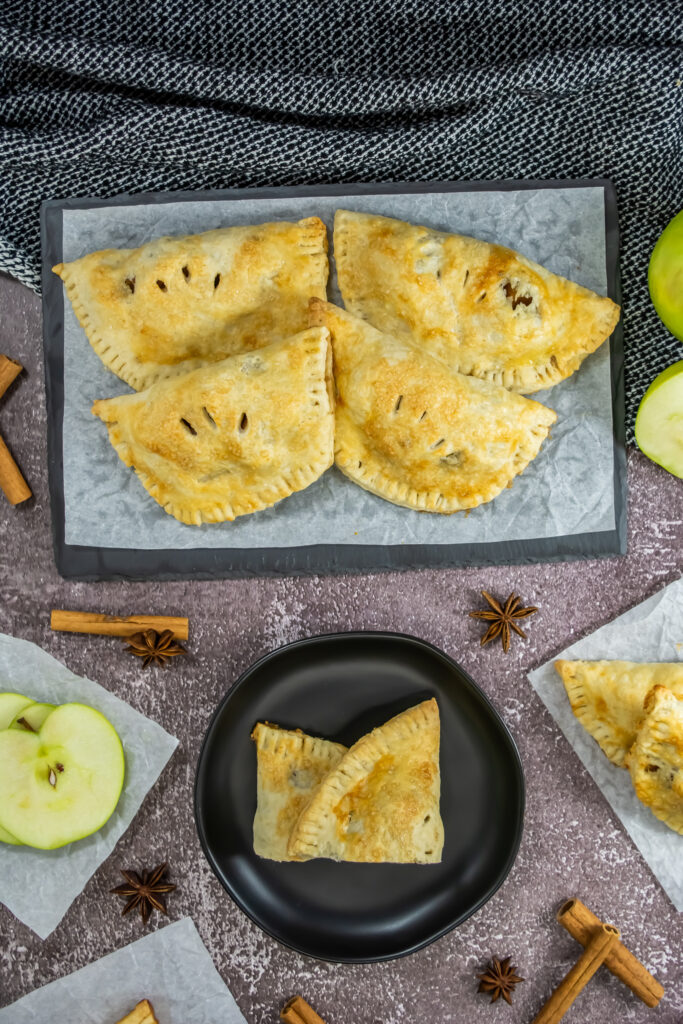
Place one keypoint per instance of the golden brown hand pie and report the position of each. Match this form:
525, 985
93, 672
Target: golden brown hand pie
180, 302
381, 802
655, 760
142, 1013
414, 432
484, 309
232, 437
290, 765
607, 697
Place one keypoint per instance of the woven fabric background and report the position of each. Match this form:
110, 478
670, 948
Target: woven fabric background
102, 97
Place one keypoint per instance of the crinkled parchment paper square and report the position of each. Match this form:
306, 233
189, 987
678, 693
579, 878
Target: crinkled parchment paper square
39, 886
652, 631
568, 489
170, 967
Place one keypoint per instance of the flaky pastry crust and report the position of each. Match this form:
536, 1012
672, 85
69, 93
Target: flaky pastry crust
142, 1013
655, 760
607, 697
290, 765
381, 802
414, 432
233, 437
177, 303
487, 311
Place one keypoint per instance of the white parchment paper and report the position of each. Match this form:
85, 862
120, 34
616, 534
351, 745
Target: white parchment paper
171, 968
652, 631
568, 489
39, 886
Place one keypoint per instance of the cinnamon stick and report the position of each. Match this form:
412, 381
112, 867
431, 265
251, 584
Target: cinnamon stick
297, 1011
117, 625
9, 370
598, 948
581, 923
11, 481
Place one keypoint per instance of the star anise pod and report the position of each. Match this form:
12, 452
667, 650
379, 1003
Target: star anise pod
499, 979
502, 618
145, 891
154, 648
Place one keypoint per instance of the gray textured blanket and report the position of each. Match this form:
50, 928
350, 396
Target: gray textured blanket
99, 98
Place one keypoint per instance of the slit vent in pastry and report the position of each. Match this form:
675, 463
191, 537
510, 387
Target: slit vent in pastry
233, 437
485, 310
177, 303
416, 433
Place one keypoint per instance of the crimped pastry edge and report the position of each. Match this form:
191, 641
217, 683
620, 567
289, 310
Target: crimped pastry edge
130, 369
352, 769
525, 380
217, 512
654, 731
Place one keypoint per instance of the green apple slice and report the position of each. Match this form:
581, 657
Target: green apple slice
665, 276
6, 837
63, 782
32, 717
12, 704
659, 423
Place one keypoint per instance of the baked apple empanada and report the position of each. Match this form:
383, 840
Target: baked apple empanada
381, 802
179, 302
607, 697
416, 433
142, 1013
232, 437
290, 765
655, 760
484, 309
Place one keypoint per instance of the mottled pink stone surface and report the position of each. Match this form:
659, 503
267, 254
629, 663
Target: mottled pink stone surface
573, 844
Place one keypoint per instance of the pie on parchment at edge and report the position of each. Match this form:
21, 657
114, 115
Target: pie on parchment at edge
655, 760
142, 1013
290, 765
381, 803
179, 302
607, 697
484, 309
414, 432
233, 437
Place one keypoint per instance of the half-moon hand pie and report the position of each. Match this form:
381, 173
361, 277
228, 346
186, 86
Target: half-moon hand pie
655, 760
607, 697
485, 310
410, 430
290, 765
381, 802
232, 437
142, 1013
176, 303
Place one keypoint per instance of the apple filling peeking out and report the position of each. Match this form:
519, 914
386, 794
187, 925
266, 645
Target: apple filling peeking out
61, 772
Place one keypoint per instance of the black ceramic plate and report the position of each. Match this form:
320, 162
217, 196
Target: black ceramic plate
339, 687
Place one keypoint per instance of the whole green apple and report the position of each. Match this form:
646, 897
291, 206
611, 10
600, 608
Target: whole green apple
63, 782
665, 276
659, 423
